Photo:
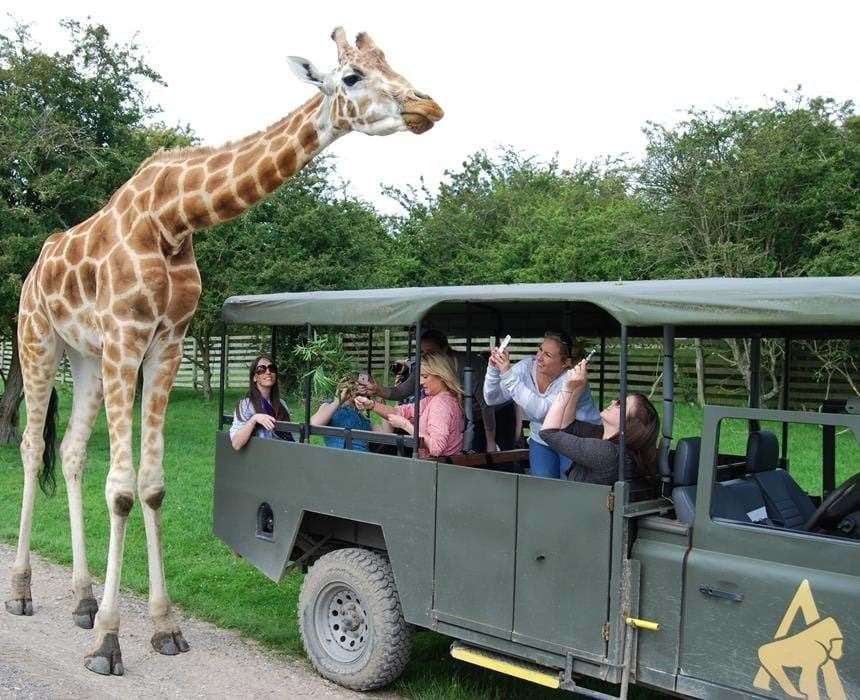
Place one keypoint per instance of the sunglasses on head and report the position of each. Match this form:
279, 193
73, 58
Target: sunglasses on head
262, 369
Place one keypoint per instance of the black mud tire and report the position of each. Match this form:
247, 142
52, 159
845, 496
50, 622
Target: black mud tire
355, 586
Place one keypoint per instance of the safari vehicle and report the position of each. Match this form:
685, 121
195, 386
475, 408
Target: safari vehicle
723, 578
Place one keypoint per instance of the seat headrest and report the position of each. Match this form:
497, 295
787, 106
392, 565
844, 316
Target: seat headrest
686, 465
762, 451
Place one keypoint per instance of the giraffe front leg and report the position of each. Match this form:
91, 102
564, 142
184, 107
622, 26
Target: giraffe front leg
119, 383
159, 370
85, 406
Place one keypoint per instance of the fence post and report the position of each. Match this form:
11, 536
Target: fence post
386, 361
700, 372
194, 363
226, 355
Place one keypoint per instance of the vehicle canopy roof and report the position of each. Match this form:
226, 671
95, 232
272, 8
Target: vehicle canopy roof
721, 307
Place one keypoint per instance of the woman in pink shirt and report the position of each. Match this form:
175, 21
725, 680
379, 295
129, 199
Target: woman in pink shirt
440, 420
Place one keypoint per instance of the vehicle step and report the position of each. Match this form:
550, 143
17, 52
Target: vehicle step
507, 665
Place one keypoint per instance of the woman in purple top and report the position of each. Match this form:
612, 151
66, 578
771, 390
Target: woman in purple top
257, 412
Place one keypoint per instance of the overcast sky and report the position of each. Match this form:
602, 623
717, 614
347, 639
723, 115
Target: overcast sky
545, 77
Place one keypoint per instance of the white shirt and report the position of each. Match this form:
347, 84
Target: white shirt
520, 384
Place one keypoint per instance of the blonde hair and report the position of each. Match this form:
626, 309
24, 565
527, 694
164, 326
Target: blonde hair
441, 365
347, 388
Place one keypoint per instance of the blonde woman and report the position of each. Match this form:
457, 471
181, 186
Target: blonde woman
441, 420
341, 412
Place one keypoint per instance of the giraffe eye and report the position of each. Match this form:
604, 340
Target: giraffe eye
350, 80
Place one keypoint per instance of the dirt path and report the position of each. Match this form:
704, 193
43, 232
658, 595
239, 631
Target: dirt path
42, 656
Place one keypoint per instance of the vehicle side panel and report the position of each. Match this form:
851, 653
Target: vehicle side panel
396, 493
769, 610
660, 548
475, 549
562, 572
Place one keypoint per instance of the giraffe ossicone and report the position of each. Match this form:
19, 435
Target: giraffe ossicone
116, 294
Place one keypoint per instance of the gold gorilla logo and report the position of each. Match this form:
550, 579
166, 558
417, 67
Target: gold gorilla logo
814, 649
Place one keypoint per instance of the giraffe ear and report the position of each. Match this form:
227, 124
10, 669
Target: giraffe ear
307, 71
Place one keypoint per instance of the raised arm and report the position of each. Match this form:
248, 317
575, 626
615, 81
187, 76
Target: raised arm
533, 404
325, 412
494, 392
559, 414
600, 457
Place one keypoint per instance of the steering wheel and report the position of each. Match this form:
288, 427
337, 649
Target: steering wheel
843, 501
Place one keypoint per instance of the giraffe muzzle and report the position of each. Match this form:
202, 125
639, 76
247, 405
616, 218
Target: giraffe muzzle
420, 115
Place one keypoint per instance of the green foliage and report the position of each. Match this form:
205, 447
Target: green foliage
762, 192
328, 362
515, 219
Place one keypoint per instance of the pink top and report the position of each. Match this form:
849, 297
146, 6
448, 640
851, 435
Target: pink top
440, 423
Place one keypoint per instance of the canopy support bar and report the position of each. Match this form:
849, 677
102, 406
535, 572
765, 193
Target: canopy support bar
602, 371
622, 398
755, 379
668, 406
307, 431
222, 373
274, 351
786, 380
469, 385
417, 397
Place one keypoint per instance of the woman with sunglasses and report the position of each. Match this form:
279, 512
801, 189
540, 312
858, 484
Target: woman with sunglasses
258, 410
594, 449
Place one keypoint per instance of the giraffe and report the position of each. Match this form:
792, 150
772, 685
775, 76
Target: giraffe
116, 294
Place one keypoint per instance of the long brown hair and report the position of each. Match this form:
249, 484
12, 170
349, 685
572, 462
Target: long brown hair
256, 398
641, 428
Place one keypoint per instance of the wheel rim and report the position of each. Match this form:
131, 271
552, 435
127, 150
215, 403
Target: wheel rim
341, 622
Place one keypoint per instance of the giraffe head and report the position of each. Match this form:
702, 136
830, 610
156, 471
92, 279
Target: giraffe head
364, 94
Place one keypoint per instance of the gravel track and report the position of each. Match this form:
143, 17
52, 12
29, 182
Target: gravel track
42, 656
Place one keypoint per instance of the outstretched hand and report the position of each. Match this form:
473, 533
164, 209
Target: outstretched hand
398, 421
363, 403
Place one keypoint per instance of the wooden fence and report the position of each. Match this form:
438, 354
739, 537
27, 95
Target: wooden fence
723, 384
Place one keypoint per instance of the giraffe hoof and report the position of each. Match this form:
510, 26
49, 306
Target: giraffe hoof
169, 643
85, 613
19, 606
107, 659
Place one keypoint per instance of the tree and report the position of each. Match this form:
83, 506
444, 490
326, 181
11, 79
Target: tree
73, 127
516, 219
766, 192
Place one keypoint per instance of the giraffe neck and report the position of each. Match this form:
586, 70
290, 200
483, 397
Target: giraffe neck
205, 188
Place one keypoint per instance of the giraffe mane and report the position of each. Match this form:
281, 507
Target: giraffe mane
175, 155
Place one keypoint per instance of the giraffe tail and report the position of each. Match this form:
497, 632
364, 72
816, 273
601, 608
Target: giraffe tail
47, 479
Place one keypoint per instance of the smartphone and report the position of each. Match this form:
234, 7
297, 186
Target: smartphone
590, 353
504, 344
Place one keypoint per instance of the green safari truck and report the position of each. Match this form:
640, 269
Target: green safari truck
721, 577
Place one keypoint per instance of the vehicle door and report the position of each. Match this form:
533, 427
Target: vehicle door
523, 558
768, 611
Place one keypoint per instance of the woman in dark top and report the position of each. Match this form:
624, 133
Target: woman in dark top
593, 449
257, 412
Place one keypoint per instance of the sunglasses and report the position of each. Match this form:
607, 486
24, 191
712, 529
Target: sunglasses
262, 369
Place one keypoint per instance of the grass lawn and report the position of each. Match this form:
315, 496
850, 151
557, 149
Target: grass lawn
205, 579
